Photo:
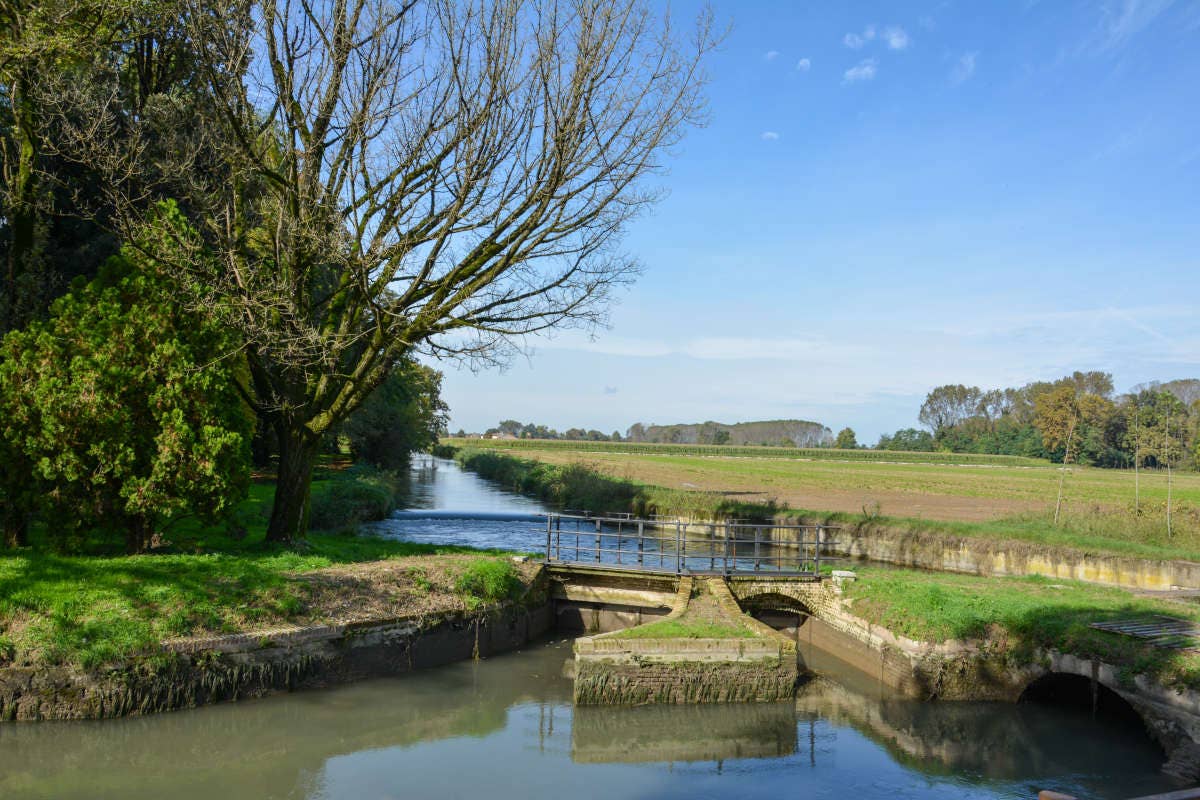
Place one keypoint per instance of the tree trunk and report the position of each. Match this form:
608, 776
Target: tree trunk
297, 456
21, 211
16, 526
138, 533
14, 475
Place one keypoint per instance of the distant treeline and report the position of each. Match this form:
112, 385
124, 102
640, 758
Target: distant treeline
1077, 419
778, 432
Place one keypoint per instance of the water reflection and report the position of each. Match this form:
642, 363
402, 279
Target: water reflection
505, 728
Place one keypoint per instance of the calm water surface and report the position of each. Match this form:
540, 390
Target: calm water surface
505, 728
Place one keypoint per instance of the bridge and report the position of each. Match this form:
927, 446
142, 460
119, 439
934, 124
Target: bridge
674, 547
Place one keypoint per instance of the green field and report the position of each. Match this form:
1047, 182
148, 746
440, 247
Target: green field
908, 485
736, 451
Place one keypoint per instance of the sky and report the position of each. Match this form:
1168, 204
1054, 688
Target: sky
891, 196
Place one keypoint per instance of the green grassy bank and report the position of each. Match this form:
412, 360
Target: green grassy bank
98, 609
1022, 615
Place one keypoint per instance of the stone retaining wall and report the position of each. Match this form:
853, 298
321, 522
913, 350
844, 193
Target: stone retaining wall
254, 665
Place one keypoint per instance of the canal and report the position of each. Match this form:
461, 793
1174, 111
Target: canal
505, 728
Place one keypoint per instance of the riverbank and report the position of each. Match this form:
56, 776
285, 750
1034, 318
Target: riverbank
92, 610
969, 500
916, 541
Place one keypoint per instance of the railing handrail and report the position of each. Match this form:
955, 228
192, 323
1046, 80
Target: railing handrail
670, 546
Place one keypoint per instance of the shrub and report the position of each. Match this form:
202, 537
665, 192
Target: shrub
489, 580
359, 495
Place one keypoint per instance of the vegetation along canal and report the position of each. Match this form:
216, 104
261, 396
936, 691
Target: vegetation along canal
506, 727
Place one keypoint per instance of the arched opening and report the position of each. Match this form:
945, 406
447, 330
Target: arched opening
1065, 690
783, 613
1073, 717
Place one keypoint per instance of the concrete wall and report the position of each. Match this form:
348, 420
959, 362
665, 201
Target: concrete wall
977, 556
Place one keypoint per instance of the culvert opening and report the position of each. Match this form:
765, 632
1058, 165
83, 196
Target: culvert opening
781, 612
1065, 690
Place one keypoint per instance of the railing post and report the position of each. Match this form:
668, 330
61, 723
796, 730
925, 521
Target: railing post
549, 527
712, 547
641, 541
757, 538
597, 541
678, 547
725, 554
817, 559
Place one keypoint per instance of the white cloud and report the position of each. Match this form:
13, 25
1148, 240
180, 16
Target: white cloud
896, 37
803, 65
853, 41
771, 55
863, 71
769, 136
964, 68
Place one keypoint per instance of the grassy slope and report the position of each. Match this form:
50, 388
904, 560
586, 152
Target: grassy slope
92, 610
1030, 612
686, 629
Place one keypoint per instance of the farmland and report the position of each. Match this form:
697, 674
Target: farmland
961, 487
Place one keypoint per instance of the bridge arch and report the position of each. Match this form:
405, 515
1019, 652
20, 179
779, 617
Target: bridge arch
1073, 690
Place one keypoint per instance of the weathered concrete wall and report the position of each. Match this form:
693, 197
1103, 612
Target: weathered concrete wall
253, 667
939, 551
616, 670
598, 600
684, 681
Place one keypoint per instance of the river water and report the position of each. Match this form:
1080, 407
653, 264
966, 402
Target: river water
505, 728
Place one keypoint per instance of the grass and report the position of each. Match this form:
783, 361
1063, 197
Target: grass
686, 629
488, 580
848, 494
1026, 613
92, 610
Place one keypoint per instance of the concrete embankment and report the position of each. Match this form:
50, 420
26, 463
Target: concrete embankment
910, 546
265, 662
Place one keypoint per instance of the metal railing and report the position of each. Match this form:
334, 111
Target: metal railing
677, 547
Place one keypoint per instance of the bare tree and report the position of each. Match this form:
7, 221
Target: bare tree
380, 177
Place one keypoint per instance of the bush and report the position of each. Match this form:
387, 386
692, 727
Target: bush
489, 580
356, 496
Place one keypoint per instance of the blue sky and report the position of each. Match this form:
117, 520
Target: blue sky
892, 196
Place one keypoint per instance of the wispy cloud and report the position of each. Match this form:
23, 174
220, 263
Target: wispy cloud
964, 68
719, 348
803, 65
610, 390
855, 41
1121, 20
862, 71
769, 136
896, 37
771, 55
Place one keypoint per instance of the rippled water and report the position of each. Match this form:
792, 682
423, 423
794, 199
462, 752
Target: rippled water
505, 728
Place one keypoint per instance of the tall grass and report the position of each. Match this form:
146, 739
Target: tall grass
580, 486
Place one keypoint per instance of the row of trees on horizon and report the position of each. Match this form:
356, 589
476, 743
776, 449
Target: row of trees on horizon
1076, 419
